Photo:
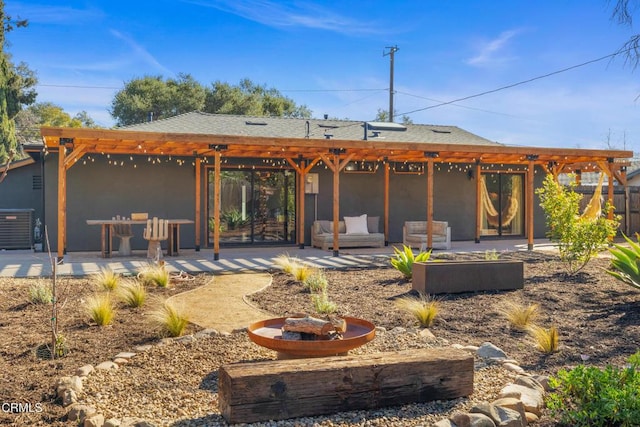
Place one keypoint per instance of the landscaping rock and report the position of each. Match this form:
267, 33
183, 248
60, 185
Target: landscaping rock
94, 421
531, 383
106, 366
531, 398
112, 422
531, 417
544, 381
125, 355
68, 383
445, 423
427, 335
512, 403
142, 348
85, 370
80, 412
514, 368
210, 332
69, 397
489, 351
462, 419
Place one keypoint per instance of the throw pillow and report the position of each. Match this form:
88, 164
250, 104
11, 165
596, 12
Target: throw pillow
356, 224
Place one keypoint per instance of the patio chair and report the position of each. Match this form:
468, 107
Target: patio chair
123, 231
156, 231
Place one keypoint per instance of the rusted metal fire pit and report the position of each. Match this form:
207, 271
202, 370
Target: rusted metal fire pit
268, 333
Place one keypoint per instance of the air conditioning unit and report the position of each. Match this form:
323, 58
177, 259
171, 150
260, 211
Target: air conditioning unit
16, 228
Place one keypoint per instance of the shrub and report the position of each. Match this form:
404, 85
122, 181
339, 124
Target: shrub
589, 396
520, 317
578, 238
322, 304
133, 293
625, 263
302, 272
547, 340
40, 293
403, 260
106, 279
171, 320
316, 282
100, 309
152, 274
423, 308
491, 255
287, 263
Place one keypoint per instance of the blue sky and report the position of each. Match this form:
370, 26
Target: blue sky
329, 56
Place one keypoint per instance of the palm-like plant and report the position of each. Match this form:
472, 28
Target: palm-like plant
626, 263
404, 259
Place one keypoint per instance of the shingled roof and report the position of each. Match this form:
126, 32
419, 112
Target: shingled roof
282, 127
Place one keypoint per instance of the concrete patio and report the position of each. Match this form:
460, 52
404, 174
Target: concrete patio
35, 264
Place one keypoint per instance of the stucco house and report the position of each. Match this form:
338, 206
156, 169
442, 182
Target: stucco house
264, 180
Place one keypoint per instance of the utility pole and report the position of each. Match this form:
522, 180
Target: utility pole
391, 53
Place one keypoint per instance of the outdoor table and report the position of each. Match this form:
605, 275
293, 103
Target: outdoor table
107, 233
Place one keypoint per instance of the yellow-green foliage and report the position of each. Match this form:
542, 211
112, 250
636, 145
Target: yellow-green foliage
316, 282
404, 259
422, 307
156, 275
287, 263
491, 255
171, 320
133, 293
322, 304
302, 272
520, 317
106, 279
100, 309
40, 293
547, 340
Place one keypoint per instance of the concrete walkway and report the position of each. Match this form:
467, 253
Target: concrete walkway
232, 260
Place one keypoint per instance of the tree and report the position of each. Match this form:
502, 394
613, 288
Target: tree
16, 87
622, 12
383, 116
250, 99
29, 120
159, 98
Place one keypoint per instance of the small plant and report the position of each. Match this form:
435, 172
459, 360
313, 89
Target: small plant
302, 272
233, 219
590, 396
404, 259
100, 309
322, 304
155, 275
546, 339
422, 307
625, 263
133, 293
40, 293
520, 317
171, 320
316, 282
106, 279
61, 346
491, 255
287, 263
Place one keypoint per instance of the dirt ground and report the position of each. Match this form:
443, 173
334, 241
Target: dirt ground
598, 319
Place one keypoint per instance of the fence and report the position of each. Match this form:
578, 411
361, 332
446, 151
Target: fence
626, 204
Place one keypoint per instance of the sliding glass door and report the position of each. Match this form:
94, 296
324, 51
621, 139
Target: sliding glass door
256, 206
502, 204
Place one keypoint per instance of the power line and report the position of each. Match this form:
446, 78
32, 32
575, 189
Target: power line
515, 84
456, 105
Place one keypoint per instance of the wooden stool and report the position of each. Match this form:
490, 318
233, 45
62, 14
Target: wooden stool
156, 231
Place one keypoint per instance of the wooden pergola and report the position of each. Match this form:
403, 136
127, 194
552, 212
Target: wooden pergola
303, 154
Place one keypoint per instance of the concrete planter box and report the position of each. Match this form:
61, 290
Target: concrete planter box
437, 277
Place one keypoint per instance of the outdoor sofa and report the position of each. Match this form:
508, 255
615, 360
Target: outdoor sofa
361, 231
414, 234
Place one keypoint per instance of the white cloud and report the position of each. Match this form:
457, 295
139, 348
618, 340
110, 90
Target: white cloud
47, 14
141, 53
491, 51
287, 15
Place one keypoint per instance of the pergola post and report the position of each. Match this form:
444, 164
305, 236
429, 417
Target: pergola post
430, 156
216, 205
198, 203
62, 200
478, 200
386, 202
529, 205
610, 188
301, 174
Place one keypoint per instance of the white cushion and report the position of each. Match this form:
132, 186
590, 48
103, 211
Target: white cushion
356, 224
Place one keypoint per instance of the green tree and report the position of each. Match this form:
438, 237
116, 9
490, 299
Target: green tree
16, 87
383, 116
160, 98
250, 99
29, 120
579, 238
